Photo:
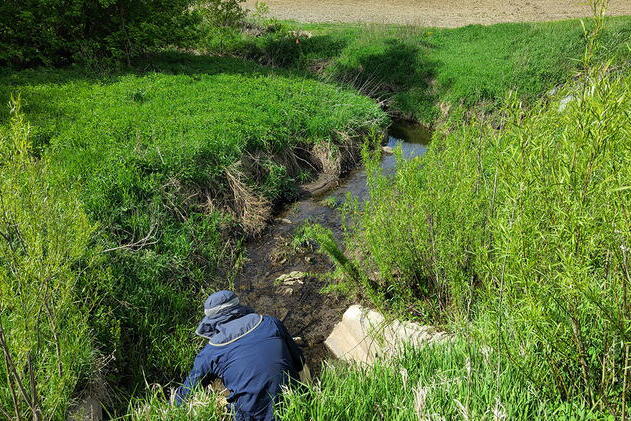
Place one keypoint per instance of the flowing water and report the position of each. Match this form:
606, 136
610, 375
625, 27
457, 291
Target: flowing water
297, 301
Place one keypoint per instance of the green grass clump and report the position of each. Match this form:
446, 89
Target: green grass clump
524, 233
203, 405
455, 380
170, 165
421, 72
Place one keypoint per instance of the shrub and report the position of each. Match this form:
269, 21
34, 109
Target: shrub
45, 340
224, 13
59, 32
525, 232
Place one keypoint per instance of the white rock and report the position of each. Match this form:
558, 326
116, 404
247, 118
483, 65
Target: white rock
564, 102
364, 335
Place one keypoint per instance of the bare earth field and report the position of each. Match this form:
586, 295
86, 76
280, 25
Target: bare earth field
443, 13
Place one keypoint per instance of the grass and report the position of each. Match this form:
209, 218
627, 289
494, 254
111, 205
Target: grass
438, 382
455, 380
174, 165
520, 236
422, 72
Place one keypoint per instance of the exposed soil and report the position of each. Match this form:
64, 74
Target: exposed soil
442, 13
297, 301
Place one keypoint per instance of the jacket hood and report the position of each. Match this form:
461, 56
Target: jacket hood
226, 320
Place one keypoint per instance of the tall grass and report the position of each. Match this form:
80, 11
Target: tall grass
202, 405
454, 380
523, 233
451, 380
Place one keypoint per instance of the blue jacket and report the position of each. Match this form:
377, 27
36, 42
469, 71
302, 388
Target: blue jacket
254, 355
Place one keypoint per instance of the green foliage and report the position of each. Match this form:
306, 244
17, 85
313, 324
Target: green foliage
223, 13
456, 380
421, 72
60, 32
166, 163
524, 232
45, 283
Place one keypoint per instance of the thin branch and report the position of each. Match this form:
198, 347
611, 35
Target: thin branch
137, 245
11, 366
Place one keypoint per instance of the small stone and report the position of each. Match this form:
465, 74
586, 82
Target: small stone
564, 102
388, 150
291, 278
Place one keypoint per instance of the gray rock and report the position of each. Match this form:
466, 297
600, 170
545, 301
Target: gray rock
564, 102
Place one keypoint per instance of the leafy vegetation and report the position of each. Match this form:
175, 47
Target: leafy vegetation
174, 167
45, 280
521, 236
60, 32
421, 73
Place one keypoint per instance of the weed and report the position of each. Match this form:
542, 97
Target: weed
522, 232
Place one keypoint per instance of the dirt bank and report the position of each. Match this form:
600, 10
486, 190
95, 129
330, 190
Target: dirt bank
444, 13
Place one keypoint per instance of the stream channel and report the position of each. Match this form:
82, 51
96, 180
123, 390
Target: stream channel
296, 300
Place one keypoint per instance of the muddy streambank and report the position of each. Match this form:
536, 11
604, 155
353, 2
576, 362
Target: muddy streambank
296, 300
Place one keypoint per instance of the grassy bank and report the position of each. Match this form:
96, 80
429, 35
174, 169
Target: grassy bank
172, 167
518, 237
421, 73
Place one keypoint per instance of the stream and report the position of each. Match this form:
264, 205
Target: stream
295, 298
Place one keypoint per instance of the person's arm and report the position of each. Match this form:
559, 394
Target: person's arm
202, 367
294, 350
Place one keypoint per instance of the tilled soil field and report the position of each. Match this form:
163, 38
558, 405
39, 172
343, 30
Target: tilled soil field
442, 13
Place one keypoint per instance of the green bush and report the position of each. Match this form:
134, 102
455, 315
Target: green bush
223, 13
455, 380
45, 259
173, 165
59, 32
525, 233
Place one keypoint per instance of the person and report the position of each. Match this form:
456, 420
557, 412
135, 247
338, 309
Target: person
252, 354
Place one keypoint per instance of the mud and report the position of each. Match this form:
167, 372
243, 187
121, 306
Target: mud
441, 13
296, 300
